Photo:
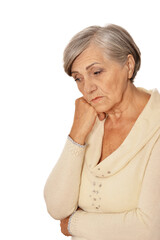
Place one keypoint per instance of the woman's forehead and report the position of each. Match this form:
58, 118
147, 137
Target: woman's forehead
92, 56
88, 57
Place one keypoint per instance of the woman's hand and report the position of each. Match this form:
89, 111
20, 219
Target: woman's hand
64, 226
84, 119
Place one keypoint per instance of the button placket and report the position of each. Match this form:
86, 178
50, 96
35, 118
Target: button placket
95, 195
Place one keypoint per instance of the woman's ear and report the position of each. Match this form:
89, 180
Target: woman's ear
131, 65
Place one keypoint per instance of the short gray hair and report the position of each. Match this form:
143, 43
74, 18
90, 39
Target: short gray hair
116, 42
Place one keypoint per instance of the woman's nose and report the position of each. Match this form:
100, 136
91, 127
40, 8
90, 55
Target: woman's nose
89, 86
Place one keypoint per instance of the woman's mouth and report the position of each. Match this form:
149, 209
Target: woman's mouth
97, 99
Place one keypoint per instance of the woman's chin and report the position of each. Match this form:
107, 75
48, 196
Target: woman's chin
100, 109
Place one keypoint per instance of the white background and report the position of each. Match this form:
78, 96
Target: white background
37, 97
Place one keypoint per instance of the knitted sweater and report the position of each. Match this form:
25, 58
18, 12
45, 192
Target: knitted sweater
120, 196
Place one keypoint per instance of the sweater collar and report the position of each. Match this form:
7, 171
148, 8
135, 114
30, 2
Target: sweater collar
146, 125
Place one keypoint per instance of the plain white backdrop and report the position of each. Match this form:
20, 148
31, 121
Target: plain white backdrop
37, 97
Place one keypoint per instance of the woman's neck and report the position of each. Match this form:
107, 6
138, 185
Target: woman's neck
131, 105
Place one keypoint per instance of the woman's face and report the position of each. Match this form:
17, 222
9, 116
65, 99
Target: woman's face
101, 81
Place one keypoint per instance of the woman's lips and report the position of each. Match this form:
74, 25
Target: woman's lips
97, 99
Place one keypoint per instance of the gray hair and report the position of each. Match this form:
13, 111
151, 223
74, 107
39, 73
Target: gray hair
115, 41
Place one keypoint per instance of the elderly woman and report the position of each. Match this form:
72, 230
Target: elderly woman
106, 183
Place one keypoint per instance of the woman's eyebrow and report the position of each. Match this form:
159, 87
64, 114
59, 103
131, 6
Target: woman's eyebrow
74, 72
91, 65
86, 67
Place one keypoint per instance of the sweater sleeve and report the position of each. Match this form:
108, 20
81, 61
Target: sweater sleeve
61, 190
142, 223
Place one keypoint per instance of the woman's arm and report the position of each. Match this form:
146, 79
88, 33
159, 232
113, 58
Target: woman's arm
142, 223
62, 187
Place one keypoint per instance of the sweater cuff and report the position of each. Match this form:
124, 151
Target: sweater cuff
74, 222
82, 146
69, 222
74, 149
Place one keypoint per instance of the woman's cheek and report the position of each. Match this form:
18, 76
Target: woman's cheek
80, 88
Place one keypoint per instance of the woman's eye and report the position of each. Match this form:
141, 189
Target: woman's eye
77, 79
97, 72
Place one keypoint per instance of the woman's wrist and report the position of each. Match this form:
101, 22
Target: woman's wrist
76, 142
78, 138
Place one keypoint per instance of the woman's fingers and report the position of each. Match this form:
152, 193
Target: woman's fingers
101, 116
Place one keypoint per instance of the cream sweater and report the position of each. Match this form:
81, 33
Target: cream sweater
120, 196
